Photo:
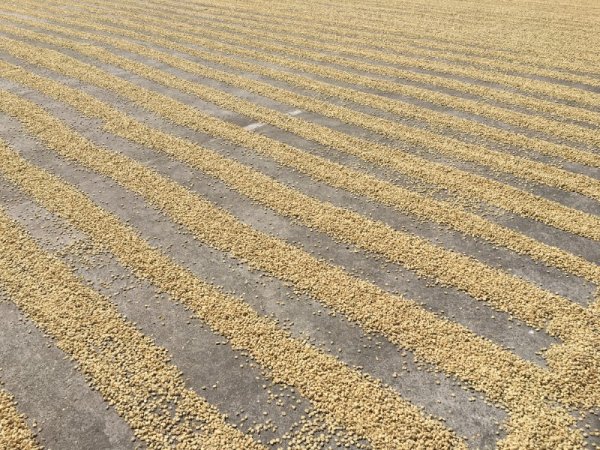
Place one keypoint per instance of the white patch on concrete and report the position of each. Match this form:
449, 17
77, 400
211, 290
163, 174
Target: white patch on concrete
254, 126
295, 112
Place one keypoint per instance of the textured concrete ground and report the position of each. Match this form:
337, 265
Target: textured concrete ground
474, 324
